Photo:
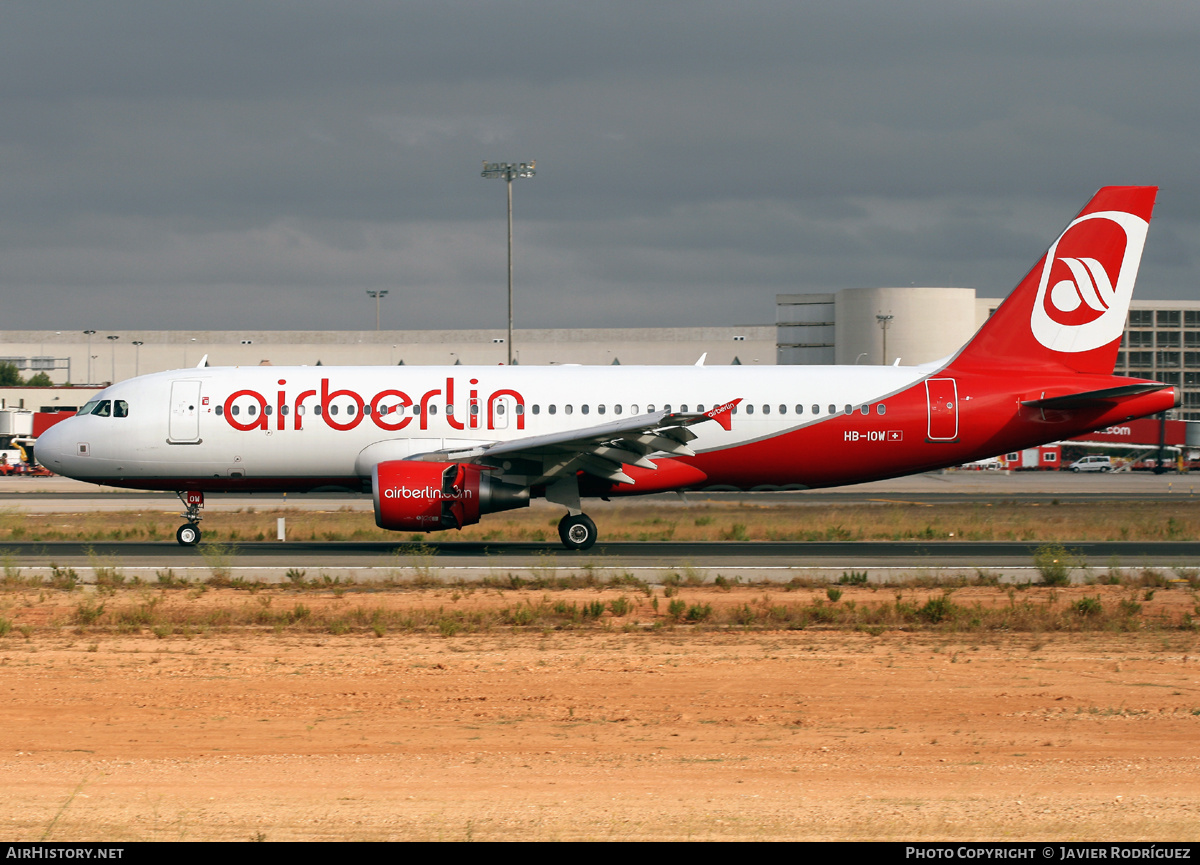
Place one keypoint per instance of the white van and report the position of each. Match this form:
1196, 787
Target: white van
1092, 464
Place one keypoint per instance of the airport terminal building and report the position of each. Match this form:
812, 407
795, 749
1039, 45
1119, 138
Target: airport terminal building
850, 326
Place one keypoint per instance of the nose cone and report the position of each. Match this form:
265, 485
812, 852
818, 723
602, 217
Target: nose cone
53, 448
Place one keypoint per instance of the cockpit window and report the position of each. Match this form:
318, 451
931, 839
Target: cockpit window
89, 406
103, 408
120, 408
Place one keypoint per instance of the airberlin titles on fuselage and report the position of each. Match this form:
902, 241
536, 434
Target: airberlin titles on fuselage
387, 409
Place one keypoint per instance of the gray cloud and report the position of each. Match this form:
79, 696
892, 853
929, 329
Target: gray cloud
261, 165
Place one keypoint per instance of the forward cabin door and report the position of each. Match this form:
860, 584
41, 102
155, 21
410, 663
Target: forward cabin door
184, 424
941, 395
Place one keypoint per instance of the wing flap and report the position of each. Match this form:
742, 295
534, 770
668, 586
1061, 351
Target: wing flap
601, 450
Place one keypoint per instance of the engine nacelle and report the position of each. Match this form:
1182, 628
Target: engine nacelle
428, 497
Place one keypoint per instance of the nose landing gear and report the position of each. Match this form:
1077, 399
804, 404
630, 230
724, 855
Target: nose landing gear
189, 535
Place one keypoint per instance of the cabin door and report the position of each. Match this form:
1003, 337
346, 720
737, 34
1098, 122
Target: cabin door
941, 395
184, 423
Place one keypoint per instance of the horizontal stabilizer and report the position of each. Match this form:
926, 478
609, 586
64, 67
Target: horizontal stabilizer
1092, 398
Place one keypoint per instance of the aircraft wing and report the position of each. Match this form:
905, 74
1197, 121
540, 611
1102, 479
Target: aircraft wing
599, 450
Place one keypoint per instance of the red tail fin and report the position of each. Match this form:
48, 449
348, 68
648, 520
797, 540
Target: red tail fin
1070, 309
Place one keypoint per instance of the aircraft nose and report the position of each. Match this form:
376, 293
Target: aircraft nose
52, 447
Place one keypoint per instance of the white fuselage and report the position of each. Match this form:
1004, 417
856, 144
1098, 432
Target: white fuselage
287, 423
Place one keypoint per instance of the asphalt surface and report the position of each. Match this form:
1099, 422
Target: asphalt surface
50, 495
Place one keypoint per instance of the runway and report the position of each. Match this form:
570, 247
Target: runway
651, 559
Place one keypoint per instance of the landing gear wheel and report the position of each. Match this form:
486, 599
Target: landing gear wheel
577, 532
188, 535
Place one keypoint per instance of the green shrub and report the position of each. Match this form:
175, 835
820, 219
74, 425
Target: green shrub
1054, 562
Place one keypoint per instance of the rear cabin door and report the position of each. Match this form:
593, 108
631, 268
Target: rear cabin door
942, 397
184, 424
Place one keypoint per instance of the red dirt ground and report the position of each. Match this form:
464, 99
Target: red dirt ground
594, 734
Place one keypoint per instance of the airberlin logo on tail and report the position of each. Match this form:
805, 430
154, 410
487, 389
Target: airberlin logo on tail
1087, 281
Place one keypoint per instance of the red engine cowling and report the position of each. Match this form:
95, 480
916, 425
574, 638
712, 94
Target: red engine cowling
429, 497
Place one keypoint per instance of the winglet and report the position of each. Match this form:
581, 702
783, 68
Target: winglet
203, 362
723, 414
700, 362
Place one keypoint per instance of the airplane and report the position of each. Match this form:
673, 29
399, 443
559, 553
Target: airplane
440, 447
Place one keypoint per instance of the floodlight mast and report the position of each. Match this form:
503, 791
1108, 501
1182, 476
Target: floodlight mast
509, 171
377, 295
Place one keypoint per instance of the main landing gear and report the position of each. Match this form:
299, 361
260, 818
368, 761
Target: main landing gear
189, 534
577, 531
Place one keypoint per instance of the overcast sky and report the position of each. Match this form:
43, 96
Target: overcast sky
260, 165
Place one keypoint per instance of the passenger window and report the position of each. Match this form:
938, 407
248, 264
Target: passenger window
567, 409
881, 409
633, 409
266, 409
584, 409
252, 410
283, 410
799, 409
366, 408
650, 407
616, 409
783, 409
317, 409
749, 409
220, 410
333, 409
520, 409
849, 409
433, 409
667, 408
832, 409
766, 409
553, 409
235, 411
866, 409
537, 409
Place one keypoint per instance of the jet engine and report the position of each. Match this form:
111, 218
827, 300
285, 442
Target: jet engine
429, 497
